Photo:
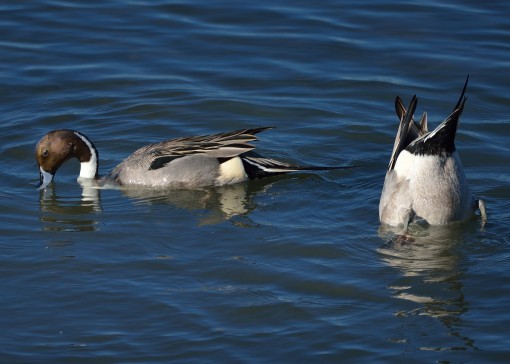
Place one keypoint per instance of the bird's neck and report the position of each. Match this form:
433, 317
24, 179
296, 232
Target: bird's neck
88, 156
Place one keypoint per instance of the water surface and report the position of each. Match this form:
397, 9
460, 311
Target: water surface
293, 269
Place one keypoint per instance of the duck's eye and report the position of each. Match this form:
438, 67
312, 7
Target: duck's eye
45, 153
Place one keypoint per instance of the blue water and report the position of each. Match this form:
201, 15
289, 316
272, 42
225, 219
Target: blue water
292, 269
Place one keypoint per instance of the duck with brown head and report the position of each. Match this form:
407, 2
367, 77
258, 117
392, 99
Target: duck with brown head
208, 160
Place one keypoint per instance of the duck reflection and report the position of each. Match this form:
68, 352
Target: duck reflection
431, 282
64, 213
219, 203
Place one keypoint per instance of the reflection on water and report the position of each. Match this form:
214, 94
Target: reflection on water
431, 281
220, 203
62, 213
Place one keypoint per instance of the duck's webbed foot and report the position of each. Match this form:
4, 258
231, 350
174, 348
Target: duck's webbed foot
483, 211
408, 216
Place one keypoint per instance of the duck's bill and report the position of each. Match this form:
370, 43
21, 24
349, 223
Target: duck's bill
45, 179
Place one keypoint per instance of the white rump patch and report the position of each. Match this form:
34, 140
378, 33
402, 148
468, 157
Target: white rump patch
406, 162
231, 171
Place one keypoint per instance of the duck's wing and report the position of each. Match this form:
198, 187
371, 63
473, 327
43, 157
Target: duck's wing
403, 130
222, 146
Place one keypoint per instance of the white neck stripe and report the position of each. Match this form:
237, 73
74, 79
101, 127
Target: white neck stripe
88, 169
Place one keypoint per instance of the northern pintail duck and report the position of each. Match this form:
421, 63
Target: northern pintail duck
199, 161
425, 179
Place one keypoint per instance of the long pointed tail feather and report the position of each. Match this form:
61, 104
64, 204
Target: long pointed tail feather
400, 140
257, 166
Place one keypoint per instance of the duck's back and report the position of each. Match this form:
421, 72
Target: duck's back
440, 190
431, 188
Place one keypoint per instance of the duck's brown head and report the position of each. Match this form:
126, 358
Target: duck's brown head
57, 147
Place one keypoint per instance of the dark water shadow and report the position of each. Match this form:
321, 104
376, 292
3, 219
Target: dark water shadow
431, 284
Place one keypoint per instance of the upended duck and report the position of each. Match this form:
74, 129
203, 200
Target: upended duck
199, 161
425, 178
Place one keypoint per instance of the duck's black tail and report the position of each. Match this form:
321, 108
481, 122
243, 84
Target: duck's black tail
257, 166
